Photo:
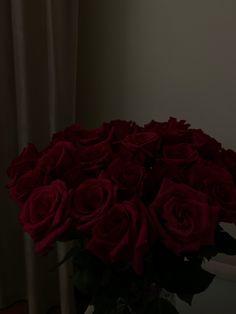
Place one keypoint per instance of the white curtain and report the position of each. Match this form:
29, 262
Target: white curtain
38, 96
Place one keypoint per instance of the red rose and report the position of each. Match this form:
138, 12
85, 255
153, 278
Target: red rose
24, 162
58, 158
142, 146
94, 158
127, 175
80, 136
122, 235
91, 200
46, 215
20, 189
182, 217
207, 146
223, 194
172, 131
157, 174
218, 184
74, 176
198, 174
180, 154
89, 162
120, 129
94, 136
228, 160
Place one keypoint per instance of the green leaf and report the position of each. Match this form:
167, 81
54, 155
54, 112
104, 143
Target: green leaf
106, 279
175, 274
188, 298
88, 272
166, 307
85, 281
82, 301
104, 303
83, 259
179, 276
159, 306
208, 251
225, 243
71, 235
152, 307
187, 279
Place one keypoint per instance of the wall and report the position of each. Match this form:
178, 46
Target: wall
219, 298
153, 59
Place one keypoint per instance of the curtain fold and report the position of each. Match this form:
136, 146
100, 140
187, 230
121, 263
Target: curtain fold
38, 96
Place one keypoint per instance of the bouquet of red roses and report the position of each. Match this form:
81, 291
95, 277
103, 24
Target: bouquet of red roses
142, 203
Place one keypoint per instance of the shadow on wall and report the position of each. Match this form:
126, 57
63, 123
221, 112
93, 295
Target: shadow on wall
103, 31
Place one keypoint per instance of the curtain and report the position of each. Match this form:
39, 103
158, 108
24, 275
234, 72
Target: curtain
38, 96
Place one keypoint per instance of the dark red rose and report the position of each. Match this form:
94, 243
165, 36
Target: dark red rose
24, 162
223, 194
198, 174
172, 131
94, 158
180, 154
91, 200
81, 136
46, 215
218, 184
228, 160
94, 136
122, 235
207, 146
59, 158
120, 129
183, 218
157, 174
142, 146
74, 176
127, 175
21, 188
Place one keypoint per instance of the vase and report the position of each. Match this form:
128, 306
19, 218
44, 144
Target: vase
82, 302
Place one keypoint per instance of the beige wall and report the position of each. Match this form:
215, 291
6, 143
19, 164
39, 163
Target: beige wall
149, 59
144, 59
